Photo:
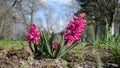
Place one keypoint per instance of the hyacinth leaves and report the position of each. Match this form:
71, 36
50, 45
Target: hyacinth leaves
61, 48
47, 48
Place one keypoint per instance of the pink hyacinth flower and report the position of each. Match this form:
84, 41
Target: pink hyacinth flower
82, 15
73, 32
54, 44
33, 34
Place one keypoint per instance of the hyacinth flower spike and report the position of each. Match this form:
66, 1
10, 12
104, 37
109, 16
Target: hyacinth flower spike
33, 36
73, 32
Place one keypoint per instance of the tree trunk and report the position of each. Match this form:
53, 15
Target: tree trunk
113, 21
96, 33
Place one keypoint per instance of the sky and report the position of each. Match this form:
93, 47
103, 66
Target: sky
60, 11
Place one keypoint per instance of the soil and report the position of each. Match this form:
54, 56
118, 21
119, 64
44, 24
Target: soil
83, 57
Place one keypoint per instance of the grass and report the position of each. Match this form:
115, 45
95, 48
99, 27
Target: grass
7, 44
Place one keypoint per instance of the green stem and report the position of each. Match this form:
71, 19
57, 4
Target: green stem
30, 47
35, 47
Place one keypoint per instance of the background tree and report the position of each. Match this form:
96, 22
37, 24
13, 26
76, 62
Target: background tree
110, 8
100, 11
6, 16
17, 15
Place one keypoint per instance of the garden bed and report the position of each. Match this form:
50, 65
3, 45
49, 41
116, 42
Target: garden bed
83, 57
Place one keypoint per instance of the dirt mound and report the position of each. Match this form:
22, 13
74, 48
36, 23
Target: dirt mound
2, 53
22, 58
13, 57
91, 57
84, 57
17, 54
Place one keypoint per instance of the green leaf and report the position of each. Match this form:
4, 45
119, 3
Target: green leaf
59, 48
68, 48
46, 45
51, 41
57, 51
